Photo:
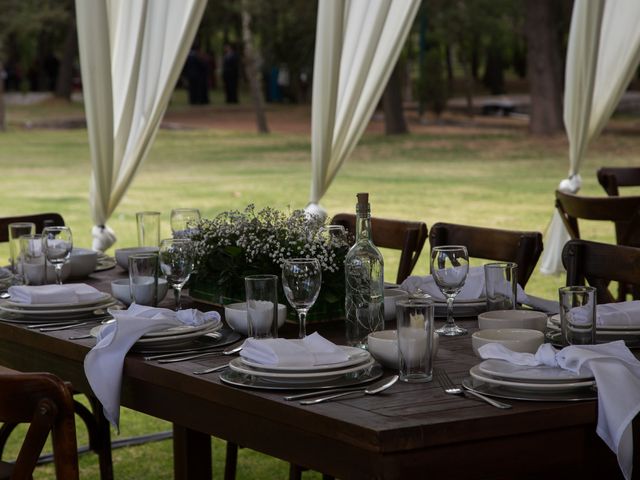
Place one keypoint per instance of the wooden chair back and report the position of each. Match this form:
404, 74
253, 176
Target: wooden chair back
598, 264
407, 236
623, 211
611, 178
521, 247
45, 402
41, 220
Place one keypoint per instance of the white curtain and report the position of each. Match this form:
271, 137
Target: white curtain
602, 57
357, 45
131, 55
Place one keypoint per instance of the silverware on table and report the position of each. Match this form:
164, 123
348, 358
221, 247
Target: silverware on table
80, 337
65, 327
366, 391
327, 391
51, 324
211, 370
235, 348
447, 385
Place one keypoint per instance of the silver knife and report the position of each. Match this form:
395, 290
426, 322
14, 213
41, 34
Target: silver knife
316, 393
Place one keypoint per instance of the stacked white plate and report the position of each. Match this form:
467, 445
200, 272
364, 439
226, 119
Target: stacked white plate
359, 368
522, 378
461, 308
170, 338
629, 333
27, 313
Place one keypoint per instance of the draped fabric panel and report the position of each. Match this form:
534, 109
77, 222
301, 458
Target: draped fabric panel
131, 55
357, 45
602, 57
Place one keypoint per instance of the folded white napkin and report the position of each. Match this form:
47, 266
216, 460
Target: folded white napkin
69, 293
103, 364
622, 314
617, 374
312, 350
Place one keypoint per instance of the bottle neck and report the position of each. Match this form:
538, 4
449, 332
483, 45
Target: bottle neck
363, 226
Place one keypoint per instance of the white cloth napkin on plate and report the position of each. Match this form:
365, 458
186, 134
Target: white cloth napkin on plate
312, 350
473, 289
622, 314
617, 374
103, 364
68, 293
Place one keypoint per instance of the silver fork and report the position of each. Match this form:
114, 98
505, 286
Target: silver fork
447, 385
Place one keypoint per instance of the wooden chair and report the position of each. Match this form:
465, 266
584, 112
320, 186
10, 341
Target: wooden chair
598, 264
407, 236
521, 247
45, 402
41, 220
611, 178
97, 425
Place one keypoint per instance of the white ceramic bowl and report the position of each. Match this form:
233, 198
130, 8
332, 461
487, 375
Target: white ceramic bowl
236, 316
527, 319
120, 290
391, 296
383, 345
515, 339
83, 262
122, 254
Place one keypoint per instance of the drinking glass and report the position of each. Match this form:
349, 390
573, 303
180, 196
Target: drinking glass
16, 230
148, 224
449, 268
501, 283
177, 257
578, 315
57, 243
143, 278
301, 280
333, 235
34, 264
262, 305
415, 339
182, 218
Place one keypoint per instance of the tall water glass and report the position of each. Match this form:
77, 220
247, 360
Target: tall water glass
501, 283
415, 339
177, 258
301, 281
262, 305
578, 315
34, 262
57, 243
449, 268
16, 230
182, 219
143, 278
148, 224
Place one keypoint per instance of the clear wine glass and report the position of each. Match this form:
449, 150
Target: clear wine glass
449, 267
183, 218
177, 257
57, 243
301, 281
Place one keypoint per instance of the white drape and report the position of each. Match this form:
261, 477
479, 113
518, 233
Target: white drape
131, 55
357, 45
602, 57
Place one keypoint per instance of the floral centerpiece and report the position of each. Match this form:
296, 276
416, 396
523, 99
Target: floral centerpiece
236, 244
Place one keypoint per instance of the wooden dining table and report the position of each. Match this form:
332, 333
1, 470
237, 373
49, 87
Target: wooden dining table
413, 430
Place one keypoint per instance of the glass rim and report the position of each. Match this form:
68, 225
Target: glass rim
445, 248
262, 276
143, 255
577, 289
21, 224
302, 260
56, 228
185, 210
409, 302
148, 212
501, 264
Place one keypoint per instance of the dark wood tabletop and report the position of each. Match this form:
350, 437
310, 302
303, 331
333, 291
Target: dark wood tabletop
413, 431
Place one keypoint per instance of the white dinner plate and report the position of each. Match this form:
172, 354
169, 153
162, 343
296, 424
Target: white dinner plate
356, 356
239, 379
630, 329
308, 377
60, 312
542, 374
168, 339
519, 385
55, 306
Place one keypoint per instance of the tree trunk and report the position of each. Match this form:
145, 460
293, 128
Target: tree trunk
543, 67
3, 123
252, 70
394, 122
64, 82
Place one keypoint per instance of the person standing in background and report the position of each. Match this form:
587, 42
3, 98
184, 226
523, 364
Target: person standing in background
230, 73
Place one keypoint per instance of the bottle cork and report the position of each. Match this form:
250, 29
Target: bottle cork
363, 199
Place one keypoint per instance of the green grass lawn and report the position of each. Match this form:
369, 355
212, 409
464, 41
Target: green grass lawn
490, 177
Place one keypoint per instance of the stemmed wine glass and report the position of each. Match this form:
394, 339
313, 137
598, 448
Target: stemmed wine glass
57, 243
449, 267
177, 257
301, 280
182, 218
